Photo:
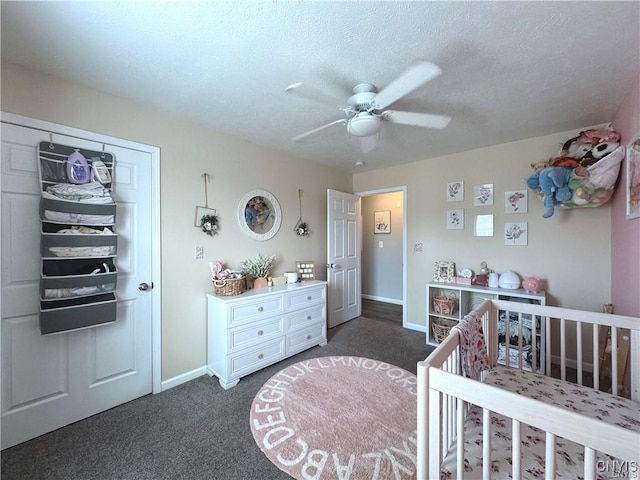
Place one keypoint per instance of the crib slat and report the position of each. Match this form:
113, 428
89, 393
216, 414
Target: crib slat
589, 463
563, 349
516, 469
486, 442
534, 343
614, 360
435, 446
520, 359
460, 438
596, 357
579, 351
547, 348
550, 457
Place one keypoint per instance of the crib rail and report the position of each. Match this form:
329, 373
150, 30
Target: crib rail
445, 396
579, 332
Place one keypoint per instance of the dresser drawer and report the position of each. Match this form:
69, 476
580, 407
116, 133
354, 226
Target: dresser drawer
255, 333
310, 296
260, 308
304, 318
256, 358
305, 338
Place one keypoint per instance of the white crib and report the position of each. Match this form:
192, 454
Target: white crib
562, 429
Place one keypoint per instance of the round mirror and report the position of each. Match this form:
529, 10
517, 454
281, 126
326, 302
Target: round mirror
259, 214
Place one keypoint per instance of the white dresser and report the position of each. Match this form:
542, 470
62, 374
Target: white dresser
262, 326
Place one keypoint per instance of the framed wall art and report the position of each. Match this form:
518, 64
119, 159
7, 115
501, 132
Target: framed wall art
633, 178
382, 221
455, 219
515, 233
444, 272
483, 195
515, 201
455, 191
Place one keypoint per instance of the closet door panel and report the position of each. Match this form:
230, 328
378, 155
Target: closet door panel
40, 371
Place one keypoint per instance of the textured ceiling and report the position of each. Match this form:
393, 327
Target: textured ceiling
511, 70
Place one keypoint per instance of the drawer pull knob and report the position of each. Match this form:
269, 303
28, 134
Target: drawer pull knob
309, 297
308, 337
308, 317
260, 332
261, 356
260, 309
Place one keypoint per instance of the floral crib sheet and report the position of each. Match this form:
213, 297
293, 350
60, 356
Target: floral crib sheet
569, 455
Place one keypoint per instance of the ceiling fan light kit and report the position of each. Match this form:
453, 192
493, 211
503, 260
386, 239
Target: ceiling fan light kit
364, 124
365, 110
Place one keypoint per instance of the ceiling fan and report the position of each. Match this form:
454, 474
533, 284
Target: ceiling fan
365, 111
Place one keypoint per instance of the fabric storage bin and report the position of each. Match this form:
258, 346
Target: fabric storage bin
72, 314
56, 245
70, 278
63, 211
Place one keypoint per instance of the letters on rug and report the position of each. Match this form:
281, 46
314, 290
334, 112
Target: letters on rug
338, 417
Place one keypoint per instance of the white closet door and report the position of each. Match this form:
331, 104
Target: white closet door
54, 380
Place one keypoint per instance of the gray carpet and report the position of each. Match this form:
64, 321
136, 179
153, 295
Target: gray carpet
196, 430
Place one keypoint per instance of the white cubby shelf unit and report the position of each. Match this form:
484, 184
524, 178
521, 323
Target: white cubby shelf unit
511, 329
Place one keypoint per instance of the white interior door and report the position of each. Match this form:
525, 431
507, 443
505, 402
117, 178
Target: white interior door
343, 256
54, 380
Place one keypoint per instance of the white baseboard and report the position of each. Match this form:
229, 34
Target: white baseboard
382, 299
184, 378
571, 363
417, 327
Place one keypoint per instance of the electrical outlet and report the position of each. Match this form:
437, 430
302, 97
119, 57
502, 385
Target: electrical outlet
380, 244
199, 252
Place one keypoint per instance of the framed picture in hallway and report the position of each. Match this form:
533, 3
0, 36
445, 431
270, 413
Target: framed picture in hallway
382, 221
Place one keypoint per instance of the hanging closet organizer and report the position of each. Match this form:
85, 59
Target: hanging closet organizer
78, 242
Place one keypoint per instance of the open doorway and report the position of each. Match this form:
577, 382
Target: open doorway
383, 256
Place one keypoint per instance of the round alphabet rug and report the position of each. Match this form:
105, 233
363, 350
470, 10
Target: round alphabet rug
345, 418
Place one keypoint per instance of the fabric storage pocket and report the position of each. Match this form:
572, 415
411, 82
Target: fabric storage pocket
73, 314
64, 211
75, 278
77, 241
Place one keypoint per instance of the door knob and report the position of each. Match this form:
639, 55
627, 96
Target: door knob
145, 286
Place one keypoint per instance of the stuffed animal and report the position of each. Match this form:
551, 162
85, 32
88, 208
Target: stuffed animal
598, 152
536, 167
553, 183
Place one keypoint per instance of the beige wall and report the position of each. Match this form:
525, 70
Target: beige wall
187, 151
570, 250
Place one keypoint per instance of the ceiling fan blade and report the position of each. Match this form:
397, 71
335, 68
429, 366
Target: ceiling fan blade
368, 144
417, 75
428, 120
308, 92
297, 138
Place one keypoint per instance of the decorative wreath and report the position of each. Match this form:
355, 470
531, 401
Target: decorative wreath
302, 229
209, 224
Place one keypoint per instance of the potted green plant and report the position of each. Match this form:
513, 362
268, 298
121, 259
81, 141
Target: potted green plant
258, 267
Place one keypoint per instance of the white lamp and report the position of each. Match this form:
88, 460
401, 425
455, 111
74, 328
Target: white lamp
364, 125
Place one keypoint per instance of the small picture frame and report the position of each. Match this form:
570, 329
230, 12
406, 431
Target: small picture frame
455, 219
483, 195
382, 221
444, 272
515, 234
515, 201
455, 191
